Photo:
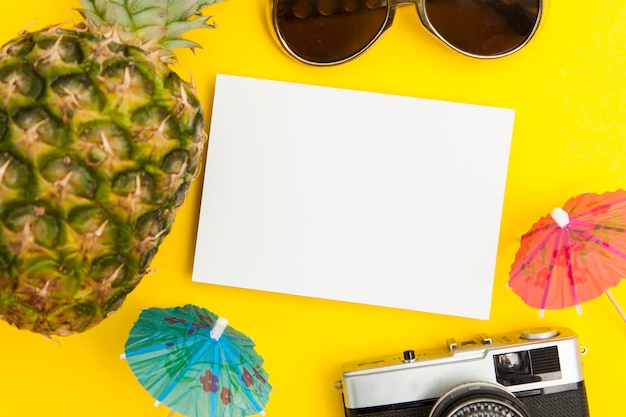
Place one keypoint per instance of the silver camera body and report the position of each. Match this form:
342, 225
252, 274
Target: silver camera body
534, 373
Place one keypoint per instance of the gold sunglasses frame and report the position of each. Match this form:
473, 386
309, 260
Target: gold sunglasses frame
420, 5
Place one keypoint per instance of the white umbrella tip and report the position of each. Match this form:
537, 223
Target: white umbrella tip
218, 328
560, 216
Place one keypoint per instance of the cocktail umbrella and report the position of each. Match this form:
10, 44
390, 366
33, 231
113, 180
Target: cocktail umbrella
194, 363
574, 254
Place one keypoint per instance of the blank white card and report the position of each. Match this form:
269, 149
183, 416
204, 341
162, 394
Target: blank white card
353, 196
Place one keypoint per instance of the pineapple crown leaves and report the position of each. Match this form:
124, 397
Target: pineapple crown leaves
152, 21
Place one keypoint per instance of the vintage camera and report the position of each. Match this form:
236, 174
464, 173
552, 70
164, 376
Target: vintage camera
534, 373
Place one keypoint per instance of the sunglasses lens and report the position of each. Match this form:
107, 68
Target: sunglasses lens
328, 31
484, 27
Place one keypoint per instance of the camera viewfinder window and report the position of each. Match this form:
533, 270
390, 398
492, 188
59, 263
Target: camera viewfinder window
523, 367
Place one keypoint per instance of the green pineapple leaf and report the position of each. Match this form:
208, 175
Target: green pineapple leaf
161, 21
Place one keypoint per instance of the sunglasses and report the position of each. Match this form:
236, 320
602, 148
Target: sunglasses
328, 32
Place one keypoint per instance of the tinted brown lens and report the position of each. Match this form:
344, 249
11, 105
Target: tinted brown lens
328, 31
484, 27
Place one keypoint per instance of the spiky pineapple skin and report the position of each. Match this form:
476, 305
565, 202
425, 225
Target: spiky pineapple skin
99, 142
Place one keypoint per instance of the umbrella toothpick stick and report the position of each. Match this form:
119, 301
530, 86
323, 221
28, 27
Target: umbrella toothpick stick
616, 304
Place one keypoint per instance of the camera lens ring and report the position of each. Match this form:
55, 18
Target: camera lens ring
478, 399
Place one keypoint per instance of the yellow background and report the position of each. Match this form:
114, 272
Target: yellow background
567, 87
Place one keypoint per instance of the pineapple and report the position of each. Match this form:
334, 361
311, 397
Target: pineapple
99, 142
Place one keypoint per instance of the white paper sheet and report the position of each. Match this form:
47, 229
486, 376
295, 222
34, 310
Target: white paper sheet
353, 196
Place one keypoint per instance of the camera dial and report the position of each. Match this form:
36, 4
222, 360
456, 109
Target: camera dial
539, 333
479, 399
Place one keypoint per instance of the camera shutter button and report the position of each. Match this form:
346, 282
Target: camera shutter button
409, 356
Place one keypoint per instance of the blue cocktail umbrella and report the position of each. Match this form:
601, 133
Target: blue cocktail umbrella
194, 363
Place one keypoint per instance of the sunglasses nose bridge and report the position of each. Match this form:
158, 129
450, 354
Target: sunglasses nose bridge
416, 2
420, 6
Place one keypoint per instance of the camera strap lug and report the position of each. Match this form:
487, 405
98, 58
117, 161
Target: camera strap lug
452, 343
485, 339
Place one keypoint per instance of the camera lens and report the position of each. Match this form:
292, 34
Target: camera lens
479, 399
